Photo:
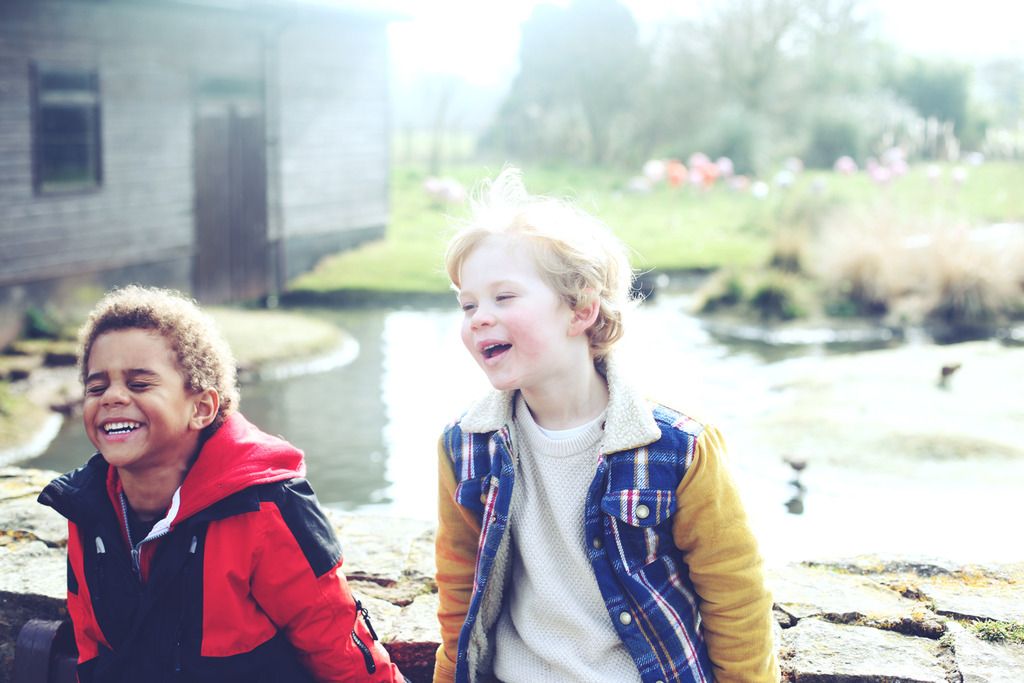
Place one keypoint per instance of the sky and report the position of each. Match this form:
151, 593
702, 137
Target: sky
478, 40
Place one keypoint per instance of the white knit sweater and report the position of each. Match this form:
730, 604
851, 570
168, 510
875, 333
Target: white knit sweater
554, 625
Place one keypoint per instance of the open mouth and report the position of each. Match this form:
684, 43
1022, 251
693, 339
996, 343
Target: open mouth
492, 350
118, 428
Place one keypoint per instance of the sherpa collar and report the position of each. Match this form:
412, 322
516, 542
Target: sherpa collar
629, 422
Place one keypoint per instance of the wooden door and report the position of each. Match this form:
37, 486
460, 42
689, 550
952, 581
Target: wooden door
231, 248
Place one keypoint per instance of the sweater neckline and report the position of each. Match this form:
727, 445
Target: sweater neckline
585, 439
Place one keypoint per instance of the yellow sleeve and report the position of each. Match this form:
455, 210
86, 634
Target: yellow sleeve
710, 528
458, 534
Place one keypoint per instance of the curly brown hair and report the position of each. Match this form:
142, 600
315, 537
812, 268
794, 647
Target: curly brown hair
204, 357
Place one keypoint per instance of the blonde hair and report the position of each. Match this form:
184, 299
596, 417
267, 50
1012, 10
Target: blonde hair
577, 254
204, 357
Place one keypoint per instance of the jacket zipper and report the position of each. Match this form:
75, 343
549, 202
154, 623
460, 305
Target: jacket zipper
181, 620
136, 549
371, 666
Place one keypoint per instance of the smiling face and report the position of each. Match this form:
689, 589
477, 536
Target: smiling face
136, 411
517, 328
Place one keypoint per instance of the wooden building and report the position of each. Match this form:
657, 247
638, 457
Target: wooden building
216, 146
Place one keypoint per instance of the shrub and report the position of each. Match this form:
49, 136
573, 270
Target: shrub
788, 249
831, 138
971, 282
858, 261
771, 295
724, 290
778, 296
880, 262
41, 324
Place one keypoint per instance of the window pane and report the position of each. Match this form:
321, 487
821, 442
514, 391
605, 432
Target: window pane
68, 163
65, 124
67, 130
67, 80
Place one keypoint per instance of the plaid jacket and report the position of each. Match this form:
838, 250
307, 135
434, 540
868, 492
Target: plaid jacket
632, 534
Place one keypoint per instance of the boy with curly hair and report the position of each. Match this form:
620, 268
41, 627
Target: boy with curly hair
196, 549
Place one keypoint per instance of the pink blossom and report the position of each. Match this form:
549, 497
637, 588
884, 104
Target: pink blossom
880, 174
845, 165
698, 159
444, 190
726, 168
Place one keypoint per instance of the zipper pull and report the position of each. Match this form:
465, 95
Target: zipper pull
366, 619
101, 554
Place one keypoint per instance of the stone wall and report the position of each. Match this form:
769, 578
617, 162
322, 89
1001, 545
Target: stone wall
868, 619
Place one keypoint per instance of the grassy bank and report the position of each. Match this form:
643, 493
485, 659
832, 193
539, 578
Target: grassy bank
668, 229
258, 337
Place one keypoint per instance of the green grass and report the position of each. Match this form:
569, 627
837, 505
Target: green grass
257, 337
999, 631
669, 229
407, 260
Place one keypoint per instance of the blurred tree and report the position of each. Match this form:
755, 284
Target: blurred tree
935, 90
681, 94
999, 97
746, 41
832, 136
581, 68
837, 47
755, 80
1000, 89
436, 118
750, 78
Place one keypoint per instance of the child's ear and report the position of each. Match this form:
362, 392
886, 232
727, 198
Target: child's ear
584, 315
204, 409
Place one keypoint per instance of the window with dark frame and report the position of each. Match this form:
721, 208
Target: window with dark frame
67, 152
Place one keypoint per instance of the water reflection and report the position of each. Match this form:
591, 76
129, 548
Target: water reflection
795, 504
336, 417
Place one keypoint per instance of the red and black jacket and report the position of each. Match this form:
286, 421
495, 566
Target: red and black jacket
241, 581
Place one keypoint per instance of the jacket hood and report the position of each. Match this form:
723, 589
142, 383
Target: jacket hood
237, 456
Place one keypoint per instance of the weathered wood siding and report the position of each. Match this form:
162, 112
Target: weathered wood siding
326, 111
333, 123
148, 58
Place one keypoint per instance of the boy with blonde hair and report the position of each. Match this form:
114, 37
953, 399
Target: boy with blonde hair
196, 549
584, 534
